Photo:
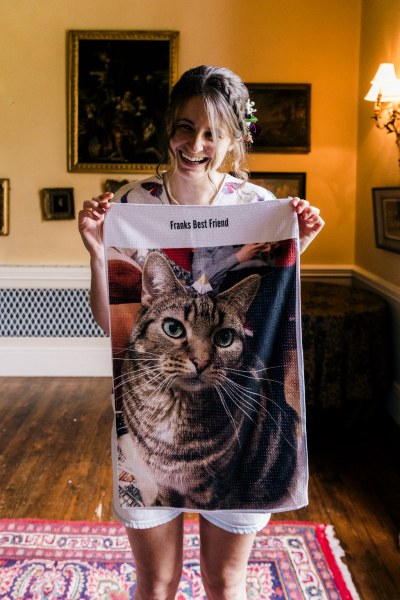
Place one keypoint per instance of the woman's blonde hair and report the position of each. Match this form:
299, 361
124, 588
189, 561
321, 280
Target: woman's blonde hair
225, 97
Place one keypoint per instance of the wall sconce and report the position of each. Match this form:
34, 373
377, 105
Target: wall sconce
385, 92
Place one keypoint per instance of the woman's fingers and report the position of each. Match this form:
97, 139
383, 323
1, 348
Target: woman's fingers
99, 202
96, 207
305, 211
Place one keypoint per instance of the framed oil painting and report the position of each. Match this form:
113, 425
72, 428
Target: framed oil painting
113, 185
4, 206
283, 113
386, 203
57, 204
119, 82
282, 184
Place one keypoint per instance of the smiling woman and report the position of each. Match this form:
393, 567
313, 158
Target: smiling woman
197, 154
206, 140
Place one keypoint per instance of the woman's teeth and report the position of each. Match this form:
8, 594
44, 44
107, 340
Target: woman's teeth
193, 159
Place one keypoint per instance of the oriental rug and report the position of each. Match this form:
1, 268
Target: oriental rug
56, 560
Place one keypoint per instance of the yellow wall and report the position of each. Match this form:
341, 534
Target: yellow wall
378, 155
311, 41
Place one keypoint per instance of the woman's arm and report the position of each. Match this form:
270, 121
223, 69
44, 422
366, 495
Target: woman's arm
90, 224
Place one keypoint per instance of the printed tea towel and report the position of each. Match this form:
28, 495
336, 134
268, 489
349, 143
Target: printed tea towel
207, 359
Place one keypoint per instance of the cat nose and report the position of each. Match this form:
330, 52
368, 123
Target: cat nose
200, 365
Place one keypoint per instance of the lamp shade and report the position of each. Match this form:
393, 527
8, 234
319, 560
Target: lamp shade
385, 73
373, 93
385, 86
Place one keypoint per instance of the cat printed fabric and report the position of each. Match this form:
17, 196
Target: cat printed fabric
207, 359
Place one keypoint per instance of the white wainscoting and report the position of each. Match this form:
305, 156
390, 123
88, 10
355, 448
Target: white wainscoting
52, 356
76, 357
55, 357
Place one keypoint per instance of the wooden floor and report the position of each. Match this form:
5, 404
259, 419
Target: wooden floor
55, 464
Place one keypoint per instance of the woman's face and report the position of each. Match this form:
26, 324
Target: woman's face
192, 143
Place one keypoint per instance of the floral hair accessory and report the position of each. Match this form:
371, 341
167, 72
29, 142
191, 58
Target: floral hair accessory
250, 121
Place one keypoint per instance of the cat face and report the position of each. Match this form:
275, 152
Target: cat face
190, 339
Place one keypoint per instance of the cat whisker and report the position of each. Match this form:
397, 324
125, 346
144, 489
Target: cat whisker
254, 395
253, 370
139, 372
117, 351
123, 349
241, 387
268, 412
133, 378
227, 391
164, 383
257, 378
242, 397
228, 412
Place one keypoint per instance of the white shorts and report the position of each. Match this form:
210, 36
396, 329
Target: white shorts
144, 518
235, 522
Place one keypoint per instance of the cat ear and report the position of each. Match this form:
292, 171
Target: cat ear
242, 294
158, 278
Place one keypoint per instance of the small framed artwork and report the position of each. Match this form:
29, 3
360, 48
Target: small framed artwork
119, 83
57, 203
282, 185
4, 206
113, 185
283, 117
386, 202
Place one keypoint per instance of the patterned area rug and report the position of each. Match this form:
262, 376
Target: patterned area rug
54, 559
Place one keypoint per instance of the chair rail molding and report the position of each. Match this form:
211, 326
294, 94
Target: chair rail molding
64, 276
44, 276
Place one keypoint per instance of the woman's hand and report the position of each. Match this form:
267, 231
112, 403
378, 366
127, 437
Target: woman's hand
90, 223
310, 222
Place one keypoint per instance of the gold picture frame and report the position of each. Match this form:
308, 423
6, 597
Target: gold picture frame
283, 117
282, 185
119, 83
4, 206
57, 204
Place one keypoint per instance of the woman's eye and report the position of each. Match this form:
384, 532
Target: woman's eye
184, 127
224, 337
173, 328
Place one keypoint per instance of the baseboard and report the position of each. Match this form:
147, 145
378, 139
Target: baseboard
333, 273
55, 357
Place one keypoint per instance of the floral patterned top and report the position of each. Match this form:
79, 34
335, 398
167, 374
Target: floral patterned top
232, 191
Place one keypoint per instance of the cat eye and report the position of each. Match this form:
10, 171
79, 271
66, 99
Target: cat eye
224, 337
173, 328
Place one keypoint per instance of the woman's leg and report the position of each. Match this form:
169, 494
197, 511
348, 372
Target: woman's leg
224, 557
158, 558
